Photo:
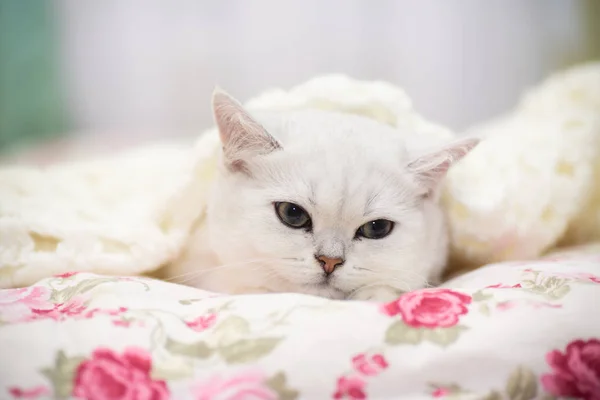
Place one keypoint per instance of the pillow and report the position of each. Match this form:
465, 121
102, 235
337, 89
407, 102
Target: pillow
534, 182
514, 330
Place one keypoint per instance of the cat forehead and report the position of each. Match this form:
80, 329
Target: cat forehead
321, 172
338, 186
342, 192
337, 161
317, 131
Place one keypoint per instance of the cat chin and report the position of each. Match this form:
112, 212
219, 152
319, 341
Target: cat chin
324, 291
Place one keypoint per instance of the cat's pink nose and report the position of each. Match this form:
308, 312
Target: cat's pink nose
329, 264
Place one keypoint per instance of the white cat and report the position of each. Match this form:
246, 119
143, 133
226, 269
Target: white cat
321, 203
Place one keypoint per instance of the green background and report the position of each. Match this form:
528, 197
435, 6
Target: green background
31, 99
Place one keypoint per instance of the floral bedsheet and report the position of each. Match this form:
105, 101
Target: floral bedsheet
528, 330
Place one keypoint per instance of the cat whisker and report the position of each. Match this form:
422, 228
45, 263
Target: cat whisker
193, 274
192, 280
293, 259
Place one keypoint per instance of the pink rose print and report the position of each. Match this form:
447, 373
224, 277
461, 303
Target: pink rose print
66, 275
247, 385
128, 323
430, 308
32, 393
440, 392
74, 307
203, 322
112, 376
594, 279
576, 372
122, 323
16, 304
369, 365
352, 388
502, 286
588, 277
113, 312
510, 304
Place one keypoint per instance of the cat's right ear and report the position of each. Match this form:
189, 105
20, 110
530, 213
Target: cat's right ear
241, 135
431, 168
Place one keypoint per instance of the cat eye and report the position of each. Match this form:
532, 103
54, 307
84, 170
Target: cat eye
377, 229
292, 215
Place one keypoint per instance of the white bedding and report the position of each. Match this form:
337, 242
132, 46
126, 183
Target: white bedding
523, 330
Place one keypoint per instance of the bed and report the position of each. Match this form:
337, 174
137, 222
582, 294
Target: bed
77, 320
518, 330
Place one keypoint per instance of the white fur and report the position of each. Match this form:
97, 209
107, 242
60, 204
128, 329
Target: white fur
345, 170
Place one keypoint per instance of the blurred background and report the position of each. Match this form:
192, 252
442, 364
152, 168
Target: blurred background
81, 76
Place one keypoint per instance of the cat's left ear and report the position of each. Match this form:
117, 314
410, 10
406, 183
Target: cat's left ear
241, 135
431, 168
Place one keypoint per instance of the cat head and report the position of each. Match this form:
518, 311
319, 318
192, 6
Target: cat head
325, 203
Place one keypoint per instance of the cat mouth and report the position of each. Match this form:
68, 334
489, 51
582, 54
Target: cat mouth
327, 283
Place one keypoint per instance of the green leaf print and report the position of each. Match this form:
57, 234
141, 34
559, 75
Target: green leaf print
172, 368
528, 283
196, 350
493, 395
230, 330
188, 302
522, 384
248, 350
61, 375
400, 333
552, 288
63, 295
278, 383
443, 336
559, 292
480, 296
484, 309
